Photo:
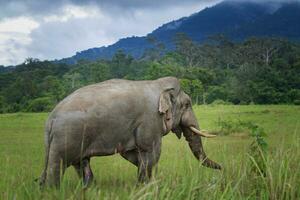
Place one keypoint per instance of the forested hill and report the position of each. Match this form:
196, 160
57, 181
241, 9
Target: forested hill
237, 20
259, 71
211, 52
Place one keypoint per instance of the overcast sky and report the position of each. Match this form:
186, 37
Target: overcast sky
54, 29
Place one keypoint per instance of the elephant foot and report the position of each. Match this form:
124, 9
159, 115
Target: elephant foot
87, 173
84, 171
88, 177
144, 174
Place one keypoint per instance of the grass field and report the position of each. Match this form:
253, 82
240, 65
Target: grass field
178, 175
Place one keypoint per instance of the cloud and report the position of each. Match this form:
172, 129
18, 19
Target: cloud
266, 1
14, 8
14, 36
57, 29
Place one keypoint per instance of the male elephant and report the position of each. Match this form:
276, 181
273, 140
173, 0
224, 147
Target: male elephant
119, 116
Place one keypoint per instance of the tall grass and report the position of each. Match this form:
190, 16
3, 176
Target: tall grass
178, 174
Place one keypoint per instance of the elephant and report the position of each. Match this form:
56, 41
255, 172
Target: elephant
119, 116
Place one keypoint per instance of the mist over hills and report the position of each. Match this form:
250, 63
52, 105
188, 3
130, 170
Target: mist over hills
236, 20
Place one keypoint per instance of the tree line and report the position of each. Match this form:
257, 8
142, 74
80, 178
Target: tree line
254, 71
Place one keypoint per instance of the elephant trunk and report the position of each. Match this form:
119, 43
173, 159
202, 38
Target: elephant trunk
196, 146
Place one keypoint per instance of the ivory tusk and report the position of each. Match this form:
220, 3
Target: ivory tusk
196, 131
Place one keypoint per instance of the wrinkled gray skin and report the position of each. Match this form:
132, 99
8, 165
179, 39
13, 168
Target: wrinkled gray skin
118, 116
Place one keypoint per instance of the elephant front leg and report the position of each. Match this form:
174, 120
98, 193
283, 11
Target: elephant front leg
142, 161
148, 143
147, 160
145, 165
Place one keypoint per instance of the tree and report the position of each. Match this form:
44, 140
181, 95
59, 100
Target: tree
258, 70
42, 104
72, 79
197, 91
156, 51
225, 51
29, 61
119, 64
99, 72
157, 70
216, 93
187, 48
52, 87
192, 87
2, 104
260, 50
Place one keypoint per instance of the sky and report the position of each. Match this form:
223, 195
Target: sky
54, 29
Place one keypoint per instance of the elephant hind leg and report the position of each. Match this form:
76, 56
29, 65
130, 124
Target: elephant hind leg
84, 171
78, 170
56, 170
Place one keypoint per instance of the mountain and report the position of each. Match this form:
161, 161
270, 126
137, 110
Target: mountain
6, 69
237, 20
134, 46
284, 22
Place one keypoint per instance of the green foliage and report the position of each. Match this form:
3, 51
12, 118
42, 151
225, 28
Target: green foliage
258, 150
156, 51
119, 64
296, 102
40, 104
194, 88
216, 92
220, 102
188, 49
227, 127
256, 71
156, 70
51, 86
294, 95
2, 104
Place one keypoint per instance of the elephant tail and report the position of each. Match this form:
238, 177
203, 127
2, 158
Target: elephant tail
48, 140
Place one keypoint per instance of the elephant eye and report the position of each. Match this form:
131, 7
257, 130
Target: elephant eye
172, 99
187, 105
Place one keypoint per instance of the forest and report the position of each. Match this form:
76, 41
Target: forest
217, 71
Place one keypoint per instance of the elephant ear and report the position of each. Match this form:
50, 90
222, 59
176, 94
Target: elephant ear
165, 109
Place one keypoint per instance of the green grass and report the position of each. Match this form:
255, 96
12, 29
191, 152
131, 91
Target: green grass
178, 174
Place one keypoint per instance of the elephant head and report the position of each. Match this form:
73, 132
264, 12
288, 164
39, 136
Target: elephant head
178, 116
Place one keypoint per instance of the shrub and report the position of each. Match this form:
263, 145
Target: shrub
2, 104
42, 104
221, 102
228, 127
216, 92
296, 102
258, 149
294, 96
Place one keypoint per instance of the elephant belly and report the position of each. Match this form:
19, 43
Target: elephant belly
72, 145
102, 147
111, 133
